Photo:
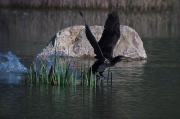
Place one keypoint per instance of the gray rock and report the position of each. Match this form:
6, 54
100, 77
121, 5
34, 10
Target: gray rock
72, 41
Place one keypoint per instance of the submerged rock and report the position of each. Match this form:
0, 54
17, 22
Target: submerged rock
72, 41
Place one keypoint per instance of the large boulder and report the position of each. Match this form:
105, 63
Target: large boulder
72, 41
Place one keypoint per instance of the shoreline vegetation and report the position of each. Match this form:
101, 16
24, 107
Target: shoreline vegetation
124, 5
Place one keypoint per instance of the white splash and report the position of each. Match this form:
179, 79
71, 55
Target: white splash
10, 63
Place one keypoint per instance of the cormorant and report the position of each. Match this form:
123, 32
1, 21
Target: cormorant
104, 48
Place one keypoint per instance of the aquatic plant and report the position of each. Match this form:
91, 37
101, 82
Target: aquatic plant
62, 74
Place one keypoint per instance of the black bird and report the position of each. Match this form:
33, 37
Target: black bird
104, 48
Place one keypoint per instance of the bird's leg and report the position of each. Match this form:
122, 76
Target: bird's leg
99, 82
100, 73
100, 77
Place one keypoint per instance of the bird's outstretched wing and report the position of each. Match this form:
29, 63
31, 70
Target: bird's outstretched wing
92, 40
110, 35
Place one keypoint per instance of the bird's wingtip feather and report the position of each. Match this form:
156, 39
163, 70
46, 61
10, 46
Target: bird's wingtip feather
80, 12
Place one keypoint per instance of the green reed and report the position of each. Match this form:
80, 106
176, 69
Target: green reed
61, 74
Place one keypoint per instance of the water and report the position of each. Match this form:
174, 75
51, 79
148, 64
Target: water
140, 90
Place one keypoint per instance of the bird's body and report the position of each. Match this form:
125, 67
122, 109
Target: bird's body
104, 48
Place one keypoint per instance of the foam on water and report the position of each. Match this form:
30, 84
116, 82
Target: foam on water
10, 63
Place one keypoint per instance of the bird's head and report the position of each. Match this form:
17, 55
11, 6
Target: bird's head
120, 58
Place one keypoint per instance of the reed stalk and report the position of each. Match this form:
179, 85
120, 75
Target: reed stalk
75, 79
111, 78
81, 73
61, 74
30, 73
95, 80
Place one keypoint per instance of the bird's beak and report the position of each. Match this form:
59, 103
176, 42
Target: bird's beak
125, 58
